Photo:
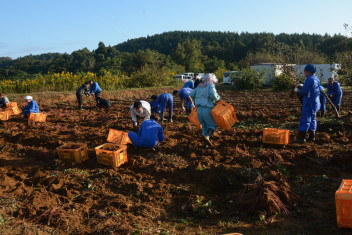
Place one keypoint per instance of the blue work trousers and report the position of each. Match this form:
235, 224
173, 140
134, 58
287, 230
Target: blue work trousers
206, 119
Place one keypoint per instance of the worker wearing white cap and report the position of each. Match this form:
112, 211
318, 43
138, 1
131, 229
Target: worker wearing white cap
31, 107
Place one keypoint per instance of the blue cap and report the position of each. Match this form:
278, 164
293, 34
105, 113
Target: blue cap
310, 68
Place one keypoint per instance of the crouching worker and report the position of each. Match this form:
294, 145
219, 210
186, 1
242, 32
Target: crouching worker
162, 101
311, 104
140, 109
31, 107
150, 133
205, 98
103, 103
3, 100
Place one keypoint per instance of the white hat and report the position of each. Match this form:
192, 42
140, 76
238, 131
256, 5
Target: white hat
28, 97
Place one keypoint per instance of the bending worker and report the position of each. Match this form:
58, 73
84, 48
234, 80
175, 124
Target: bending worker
205, 98
95, 89
149, 134
189, 83
335, 93
311, 104
82, 89
140, 109
186, 99
161, 102
31, 107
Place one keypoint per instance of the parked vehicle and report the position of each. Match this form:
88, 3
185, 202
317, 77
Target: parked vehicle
191, 75
226, 79
181, 78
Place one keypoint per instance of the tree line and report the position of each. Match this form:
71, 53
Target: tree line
183, 51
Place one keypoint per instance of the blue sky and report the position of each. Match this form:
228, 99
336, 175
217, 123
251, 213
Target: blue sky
41, 26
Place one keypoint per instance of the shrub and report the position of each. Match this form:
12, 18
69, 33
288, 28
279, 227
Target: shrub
248, 79
283, 82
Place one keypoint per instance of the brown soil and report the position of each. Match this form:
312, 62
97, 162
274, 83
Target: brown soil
240, 185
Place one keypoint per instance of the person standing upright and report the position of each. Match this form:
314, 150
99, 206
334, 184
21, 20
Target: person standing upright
310, 106
205, 97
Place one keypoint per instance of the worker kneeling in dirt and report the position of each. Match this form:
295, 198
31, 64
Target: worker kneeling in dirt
335, 93
3, 100
82, 90
161, 102
31, 107
150, 133
311, 104
205, 98
103, 103
186, 99
322, 99
141, 109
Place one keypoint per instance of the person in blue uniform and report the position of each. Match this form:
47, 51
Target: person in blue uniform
335, 93
186, 100
162, 102
189, 84
311, 104
322, 99
205, 97
95, 89
153, 105
149, 134
31, 107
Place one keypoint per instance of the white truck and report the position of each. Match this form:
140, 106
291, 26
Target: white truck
226, 79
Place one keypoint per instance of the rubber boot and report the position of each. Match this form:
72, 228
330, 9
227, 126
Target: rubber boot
301, 137
162, 116
170, 117
311, 136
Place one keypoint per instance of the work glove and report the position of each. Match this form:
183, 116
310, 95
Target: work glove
296, 90
135, 124
183, 109
192, 106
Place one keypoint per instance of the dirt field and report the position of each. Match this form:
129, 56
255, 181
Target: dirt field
241, 185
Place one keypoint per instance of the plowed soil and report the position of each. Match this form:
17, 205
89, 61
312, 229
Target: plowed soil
240, 185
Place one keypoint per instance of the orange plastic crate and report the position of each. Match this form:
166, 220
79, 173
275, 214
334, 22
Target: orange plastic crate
343, 200
111, 154
74, 152
118, 137
4, 116
224, 115
11, 104
275, 136
37, 117
193, 118
13, 110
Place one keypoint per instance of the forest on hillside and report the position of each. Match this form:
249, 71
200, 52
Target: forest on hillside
182, 51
